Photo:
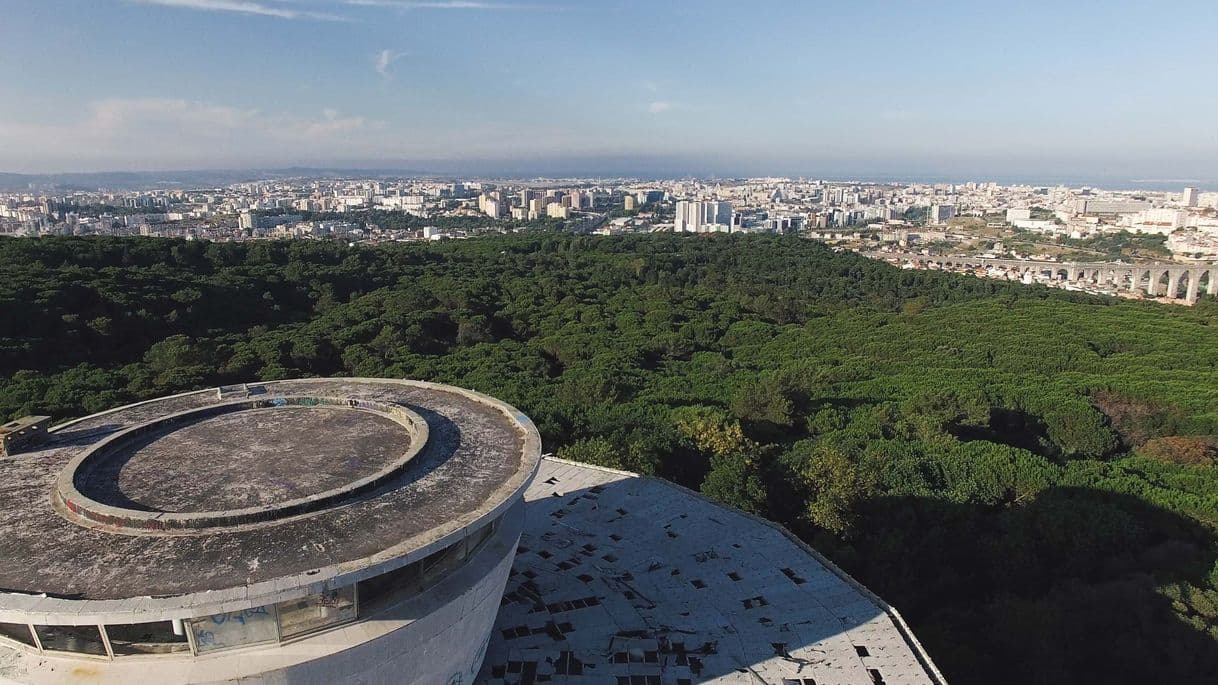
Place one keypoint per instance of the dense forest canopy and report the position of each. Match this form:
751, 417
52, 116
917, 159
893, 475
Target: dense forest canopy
1027, 474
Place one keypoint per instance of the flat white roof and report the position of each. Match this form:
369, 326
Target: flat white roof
627, 580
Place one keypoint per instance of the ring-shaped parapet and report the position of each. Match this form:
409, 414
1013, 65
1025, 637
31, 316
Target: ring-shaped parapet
95, 468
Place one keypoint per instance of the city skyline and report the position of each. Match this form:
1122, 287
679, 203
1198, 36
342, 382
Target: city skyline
874, 89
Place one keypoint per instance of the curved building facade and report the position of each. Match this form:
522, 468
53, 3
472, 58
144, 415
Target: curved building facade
306, 531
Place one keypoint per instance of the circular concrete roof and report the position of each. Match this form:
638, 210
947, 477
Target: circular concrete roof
256, 457
197, 502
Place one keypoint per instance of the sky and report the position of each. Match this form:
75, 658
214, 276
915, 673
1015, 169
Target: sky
884, 88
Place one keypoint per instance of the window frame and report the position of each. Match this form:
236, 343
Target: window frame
43, 649
154, 655
296, 637
18, 644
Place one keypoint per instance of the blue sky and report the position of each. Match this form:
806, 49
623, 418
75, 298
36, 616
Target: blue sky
988, 89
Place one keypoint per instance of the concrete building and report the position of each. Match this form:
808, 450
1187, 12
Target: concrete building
1109, 207
939, 214
703, 216
388, 531
1160, 221
1038, 225
784, 224
312, 531
494, 208
688, 216
1189, 197
253, 222
646, 196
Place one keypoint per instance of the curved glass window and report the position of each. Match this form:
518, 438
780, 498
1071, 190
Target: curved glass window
160, 637
317, 611
441, 563
235, 629
475, 540
381, 592
79, 639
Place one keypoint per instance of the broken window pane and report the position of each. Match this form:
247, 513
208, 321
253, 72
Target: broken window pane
158, 637
78, 639
316, 611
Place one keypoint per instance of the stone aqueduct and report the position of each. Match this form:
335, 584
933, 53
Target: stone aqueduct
1172, 281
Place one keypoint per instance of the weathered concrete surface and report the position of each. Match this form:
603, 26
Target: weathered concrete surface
626, 579
248, 458
474, 461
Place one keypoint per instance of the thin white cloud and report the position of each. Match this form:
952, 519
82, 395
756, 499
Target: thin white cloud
384, 62
285, 9
659, 107
244, 7
447, 5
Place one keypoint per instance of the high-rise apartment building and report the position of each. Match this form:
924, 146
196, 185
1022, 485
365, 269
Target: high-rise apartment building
940, 213
702, 216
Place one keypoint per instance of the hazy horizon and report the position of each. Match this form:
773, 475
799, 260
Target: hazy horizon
536, 170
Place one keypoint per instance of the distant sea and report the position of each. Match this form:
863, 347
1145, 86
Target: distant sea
567, 170
1150, 184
